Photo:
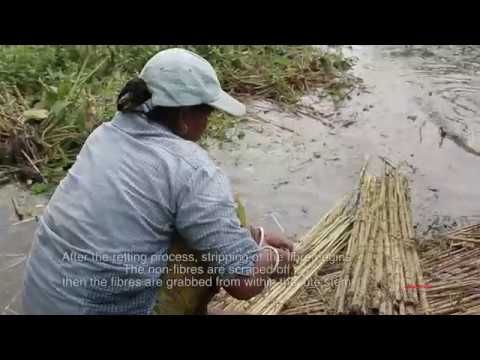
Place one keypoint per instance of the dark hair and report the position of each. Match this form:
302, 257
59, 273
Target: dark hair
135, 93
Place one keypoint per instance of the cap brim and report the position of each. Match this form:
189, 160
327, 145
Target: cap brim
228, 104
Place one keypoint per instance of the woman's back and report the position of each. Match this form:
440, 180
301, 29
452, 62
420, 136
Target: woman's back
119, 201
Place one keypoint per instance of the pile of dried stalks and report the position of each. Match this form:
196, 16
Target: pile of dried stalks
52, 97
316, 297
382, 273
319, 246
452, 273
19, 146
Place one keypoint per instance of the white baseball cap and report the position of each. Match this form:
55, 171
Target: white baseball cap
178, 77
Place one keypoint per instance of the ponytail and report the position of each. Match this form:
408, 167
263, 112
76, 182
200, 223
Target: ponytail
133, 94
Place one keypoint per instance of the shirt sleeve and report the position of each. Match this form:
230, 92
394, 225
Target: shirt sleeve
206, 219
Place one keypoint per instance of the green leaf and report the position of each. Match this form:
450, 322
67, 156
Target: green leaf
282, 61
241, 213
40, 188
64, 88
58, 109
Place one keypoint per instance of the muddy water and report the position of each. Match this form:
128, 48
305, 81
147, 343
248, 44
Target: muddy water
420, 106
15, 242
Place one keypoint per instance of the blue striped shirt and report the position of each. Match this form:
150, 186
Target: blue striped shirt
133, 184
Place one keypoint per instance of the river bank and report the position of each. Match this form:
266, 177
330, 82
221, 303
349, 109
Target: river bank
418, 105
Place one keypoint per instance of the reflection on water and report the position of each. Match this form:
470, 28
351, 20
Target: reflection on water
451, 73
420, 105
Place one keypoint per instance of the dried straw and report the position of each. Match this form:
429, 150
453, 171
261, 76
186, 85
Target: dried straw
322, 243
383, 274
453, 273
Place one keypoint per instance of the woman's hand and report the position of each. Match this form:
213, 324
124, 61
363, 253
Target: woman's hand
264, 266
288, 257
278, 242
286, 265
271, 239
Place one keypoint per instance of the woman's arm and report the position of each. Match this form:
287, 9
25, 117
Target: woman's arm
207, 221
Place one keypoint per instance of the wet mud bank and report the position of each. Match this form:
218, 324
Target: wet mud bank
18, 212
419, 105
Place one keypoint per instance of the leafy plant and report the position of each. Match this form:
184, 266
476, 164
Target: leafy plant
77, 87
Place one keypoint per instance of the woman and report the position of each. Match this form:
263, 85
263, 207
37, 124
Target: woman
139, 186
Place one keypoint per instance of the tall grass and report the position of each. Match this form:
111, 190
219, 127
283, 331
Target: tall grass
52, 97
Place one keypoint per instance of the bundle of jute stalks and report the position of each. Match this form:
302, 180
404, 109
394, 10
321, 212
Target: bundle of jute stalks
452, 273
322, 243
382, 273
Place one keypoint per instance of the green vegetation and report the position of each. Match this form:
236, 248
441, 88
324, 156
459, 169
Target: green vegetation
52, 97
